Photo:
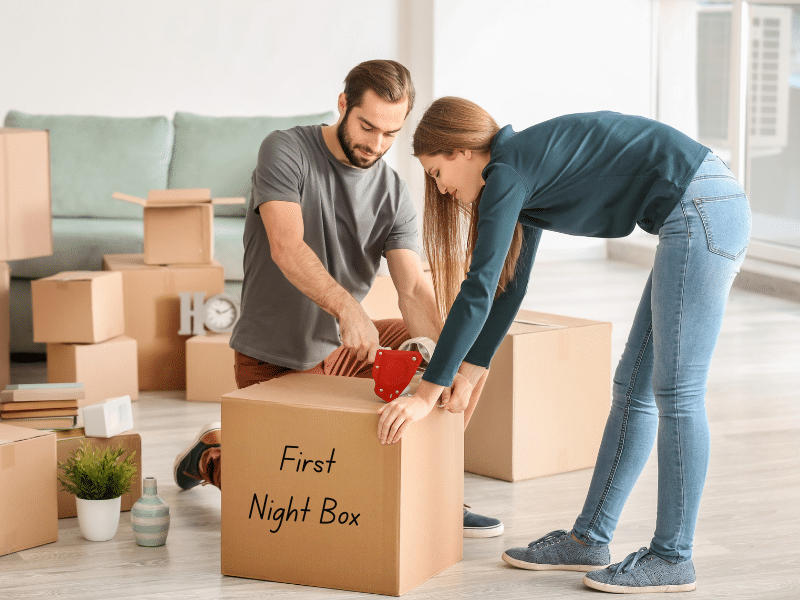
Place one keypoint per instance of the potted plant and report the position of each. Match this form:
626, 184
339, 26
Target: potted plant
98, 478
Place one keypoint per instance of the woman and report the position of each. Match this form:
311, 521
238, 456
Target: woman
597, 175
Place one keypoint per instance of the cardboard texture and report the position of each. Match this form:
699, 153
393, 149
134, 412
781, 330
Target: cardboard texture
209, 367
107, 369
551, 375
5, 325
152, 313
77, 307
381, 302
28, 507
70, 440
26, 230
188, 211
363, 516
194, 245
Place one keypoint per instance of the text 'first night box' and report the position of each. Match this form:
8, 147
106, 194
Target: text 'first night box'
77, 307
546, 400
28, 479
178, 225
311, 496
153, 313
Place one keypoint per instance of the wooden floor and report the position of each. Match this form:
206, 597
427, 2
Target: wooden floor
748, 535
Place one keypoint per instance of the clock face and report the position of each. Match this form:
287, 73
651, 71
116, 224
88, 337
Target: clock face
221, 312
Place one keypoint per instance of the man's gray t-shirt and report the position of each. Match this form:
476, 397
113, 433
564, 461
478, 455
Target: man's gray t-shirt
351, 217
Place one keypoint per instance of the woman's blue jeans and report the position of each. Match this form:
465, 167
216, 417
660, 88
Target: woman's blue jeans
660, 383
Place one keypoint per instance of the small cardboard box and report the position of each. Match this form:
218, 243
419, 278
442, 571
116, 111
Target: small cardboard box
69, 440
26, 230
28, 507
77, 307
209, 367
312, 497
107, 369
546, 400
381, 302
152, 313
190, 213
5, 324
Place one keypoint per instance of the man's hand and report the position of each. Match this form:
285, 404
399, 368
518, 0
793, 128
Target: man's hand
358, 332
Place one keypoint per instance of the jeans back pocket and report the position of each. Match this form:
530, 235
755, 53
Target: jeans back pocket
727, 222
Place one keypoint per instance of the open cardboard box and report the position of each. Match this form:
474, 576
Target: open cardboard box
187, 212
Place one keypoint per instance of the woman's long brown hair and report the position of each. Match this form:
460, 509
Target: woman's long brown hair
449, 230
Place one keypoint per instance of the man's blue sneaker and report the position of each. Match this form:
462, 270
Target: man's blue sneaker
478, 526
643, 572
558, 551
188, 470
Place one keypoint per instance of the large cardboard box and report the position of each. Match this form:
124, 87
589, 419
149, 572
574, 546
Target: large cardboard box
187, 211
77, 307
69, 440
310, 495
152, 313
107, 369
28, 508
209, 367
26, 230
5, 324
546, 400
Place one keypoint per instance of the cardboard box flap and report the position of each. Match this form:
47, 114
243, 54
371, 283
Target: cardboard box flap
529, 317
313, 391
10, 434
176, 198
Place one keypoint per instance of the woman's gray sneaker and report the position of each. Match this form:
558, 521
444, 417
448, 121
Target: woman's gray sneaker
558, 551
643, 572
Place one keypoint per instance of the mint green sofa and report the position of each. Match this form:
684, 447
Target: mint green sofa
93, 156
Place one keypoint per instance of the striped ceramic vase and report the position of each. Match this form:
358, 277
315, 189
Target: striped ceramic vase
150, 516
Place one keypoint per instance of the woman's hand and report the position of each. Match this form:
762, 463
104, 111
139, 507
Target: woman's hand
397, 415
456, 399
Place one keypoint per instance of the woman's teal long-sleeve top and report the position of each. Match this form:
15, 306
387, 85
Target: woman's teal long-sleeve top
593, 174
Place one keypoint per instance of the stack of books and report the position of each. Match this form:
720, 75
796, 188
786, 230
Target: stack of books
41, 405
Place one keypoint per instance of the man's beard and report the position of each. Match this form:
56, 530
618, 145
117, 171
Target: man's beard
349, 149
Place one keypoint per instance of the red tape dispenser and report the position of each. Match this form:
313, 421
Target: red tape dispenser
393, 371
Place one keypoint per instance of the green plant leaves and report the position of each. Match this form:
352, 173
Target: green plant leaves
97, 474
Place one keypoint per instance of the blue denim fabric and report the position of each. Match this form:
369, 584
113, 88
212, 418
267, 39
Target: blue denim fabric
660, 383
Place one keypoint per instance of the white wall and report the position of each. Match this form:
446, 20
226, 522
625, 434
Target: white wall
526, 61
143, 57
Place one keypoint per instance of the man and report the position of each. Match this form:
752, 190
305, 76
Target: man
325, 207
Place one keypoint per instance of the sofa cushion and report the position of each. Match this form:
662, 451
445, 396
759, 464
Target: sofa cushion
93, 157
220, 153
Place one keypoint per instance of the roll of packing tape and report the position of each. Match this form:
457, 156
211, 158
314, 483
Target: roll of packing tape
425, 346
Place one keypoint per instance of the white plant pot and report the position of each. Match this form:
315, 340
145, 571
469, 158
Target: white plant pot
98, 519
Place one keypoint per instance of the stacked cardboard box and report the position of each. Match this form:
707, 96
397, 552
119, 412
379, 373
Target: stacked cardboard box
209, 367
152, 313
25, 220
80, 315
27, 488
41, 406
178, 257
